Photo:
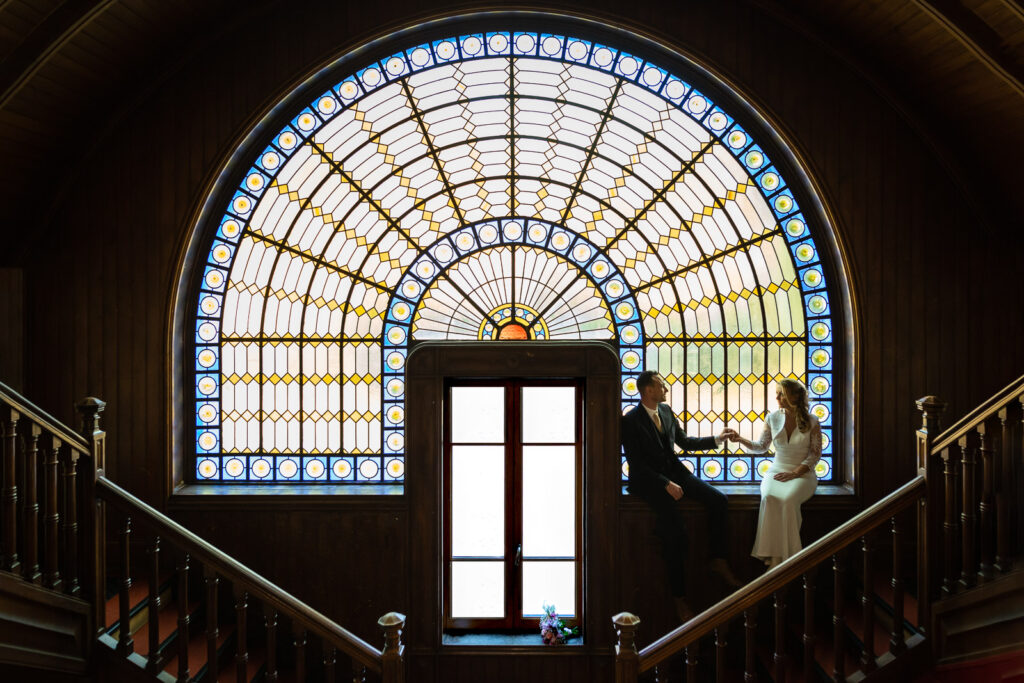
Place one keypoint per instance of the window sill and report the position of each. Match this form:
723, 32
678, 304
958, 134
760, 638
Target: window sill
507, 642
220, 496
748, 496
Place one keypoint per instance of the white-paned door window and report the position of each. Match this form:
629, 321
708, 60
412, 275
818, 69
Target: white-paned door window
513, 522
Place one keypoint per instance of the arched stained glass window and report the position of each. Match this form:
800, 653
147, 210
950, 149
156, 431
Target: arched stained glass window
505, 185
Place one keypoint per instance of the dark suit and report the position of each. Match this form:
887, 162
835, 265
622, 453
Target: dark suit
652, 464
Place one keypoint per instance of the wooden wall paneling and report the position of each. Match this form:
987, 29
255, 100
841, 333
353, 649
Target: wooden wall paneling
12, 327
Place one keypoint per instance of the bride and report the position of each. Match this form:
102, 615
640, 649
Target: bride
790, 480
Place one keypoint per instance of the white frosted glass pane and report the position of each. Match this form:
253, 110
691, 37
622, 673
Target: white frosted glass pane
549, 414
478, 501
549, 501
478, 414
478, 590
549, 583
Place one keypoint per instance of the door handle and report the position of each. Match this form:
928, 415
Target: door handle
519, 554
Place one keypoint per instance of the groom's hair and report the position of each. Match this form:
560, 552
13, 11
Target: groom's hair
645, 379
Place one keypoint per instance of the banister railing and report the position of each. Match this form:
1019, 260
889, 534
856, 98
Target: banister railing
1008, 394
242, 577
732, 607
54, 505
969, 529
12, 400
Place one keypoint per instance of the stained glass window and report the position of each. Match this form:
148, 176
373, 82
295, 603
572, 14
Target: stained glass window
504, 185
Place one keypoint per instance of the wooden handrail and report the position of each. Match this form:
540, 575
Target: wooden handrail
759, 589
42, 418
239, 574
979, 415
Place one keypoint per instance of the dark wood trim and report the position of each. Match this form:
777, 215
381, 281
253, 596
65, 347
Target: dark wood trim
979, 38
428, 365
44, 41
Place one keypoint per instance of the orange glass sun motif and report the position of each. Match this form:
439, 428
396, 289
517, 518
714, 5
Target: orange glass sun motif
513, 331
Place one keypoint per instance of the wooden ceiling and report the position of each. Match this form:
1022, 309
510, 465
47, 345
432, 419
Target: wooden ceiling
71, 69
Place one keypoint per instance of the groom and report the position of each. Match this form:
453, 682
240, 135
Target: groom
655, 474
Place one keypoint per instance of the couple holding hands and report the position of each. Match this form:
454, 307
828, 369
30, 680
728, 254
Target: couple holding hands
649, 433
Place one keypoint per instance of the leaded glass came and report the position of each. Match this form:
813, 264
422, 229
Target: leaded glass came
507, 185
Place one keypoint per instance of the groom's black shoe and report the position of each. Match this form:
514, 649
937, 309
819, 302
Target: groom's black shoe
721, 567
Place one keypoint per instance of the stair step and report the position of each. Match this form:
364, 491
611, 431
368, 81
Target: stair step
138, 597
197, 651
168, 623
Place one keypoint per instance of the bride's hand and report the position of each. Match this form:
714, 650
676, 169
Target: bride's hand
786, 476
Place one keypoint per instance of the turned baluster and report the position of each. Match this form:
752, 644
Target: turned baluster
627, 659
839, 618
30, 511
69, 518
270, 622
950, 525
212, 630
9, 498
930, 530
51, 518
750, 645
392, 665
1008, 419
779, 657
896, 642
986, 507
91, 514
330, 659
968, 517
721, 643
299, 635
154, 662
657, 675
358, 672
690, 652
125, 644
810, 640
241, 651
183, 619
867, 602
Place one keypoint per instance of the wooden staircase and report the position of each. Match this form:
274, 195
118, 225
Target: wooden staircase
94, 581
929, 574
96, 585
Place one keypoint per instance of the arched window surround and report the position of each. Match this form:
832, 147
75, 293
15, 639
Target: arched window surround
715, 88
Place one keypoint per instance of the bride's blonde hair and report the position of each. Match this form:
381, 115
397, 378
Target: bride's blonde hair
796, 395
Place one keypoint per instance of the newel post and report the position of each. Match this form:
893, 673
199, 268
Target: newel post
91, 521
627, 660
392, 664
931, 510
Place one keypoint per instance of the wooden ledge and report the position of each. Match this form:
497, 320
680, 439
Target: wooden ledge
748, 497
293, 497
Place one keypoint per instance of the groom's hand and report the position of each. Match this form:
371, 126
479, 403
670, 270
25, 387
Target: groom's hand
674, 490
728, 434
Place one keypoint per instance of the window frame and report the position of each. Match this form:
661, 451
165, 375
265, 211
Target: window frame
513, 621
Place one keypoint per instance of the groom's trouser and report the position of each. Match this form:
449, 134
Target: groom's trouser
670, 526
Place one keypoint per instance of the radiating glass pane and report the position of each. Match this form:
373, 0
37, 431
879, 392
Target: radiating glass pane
478, 501
549, 583
478, 414
478, 590
549, 501
549, 414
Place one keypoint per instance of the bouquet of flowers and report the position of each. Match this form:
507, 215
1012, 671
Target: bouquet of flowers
553, 630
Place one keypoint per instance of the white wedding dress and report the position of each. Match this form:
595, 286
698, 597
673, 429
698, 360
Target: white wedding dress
778, 522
